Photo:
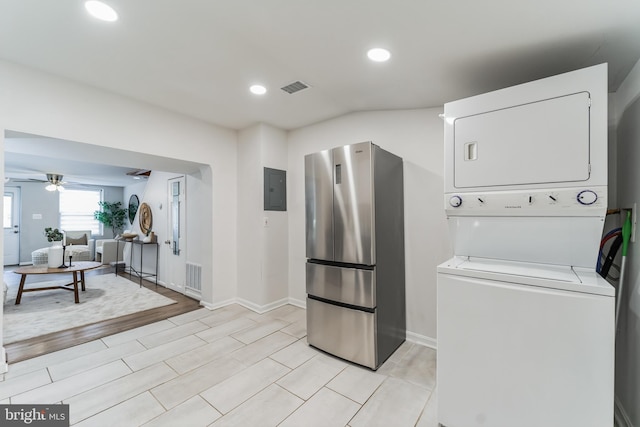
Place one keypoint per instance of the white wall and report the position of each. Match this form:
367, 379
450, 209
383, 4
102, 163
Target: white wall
42, 104
154, 194
275, 262
417, 137
36, 200
249, 216
627, 113
138, 189
262, 250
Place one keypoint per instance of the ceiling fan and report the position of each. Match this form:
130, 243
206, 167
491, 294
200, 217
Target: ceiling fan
55, 182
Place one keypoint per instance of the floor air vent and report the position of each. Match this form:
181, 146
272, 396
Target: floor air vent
194, 277
295, 87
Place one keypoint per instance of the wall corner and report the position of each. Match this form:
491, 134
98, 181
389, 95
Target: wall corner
4, 366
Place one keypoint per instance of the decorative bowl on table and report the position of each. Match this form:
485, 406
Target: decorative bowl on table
129, 236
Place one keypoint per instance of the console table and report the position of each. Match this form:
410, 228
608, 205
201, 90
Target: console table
141, 271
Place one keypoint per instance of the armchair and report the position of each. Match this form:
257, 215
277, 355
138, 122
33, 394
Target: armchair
83, 244
106, 251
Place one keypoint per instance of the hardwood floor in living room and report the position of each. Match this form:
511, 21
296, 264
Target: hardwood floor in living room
55, 341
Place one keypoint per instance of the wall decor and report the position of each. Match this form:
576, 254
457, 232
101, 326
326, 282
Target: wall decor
134, 203
146, 220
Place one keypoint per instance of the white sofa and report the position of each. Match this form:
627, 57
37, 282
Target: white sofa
106, 251
83, 248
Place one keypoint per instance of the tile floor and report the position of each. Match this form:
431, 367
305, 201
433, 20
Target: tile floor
227, 367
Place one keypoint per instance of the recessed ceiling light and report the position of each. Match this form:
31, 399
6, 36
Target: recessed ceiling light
378, 54
258, 89
100, 10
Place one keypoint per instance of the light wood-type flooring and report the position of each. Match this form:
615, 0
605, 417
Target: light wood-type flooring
226, 367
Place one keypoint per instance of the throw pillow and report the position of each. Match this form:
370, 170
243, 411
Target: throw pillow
79, 241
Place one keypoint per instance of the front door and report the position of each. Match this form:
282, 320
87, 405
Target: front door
175, 245
11, 225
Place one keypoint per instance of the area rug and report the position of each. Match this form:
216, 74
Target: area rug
107, 296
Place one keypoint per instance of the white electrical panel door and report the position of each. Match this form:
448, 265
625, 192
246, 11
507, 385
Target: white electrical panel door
540, 142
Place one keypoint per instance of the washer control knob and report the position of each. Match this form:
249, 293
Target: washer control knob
587, 197
455, 201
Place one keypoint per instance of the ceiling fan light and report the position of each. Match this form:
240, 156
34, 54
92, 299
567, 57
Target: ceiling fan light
55, 182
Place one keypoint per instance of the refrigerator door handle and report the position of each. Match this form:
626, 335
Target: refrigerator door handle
338, 174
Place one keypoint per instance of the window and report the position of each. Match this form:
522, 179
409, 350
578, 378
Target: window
7, 221
77, 208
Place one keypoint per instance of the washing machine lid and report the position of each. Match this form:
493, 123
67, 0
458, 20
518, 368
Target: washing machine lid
562, 277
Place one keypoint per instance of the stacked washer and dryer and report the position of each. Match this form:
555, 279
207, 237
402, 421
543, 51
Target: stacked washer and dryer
525, 324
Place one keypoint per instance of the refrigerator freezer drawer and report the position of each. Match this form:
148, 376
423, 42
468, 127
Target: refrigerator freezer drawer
343, 332
352, 286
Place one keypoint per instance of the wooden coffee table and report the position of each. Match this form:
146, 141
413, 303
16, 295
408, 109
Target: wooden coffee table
78, 267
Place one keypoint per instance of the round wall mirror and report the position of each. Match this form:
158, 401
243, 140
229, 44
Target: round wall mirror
133, 207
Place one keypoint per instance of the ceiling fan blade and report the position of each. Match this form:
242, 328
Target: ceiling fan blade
25, 180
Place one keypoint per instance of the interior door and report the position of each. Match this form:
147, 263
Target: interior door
11, 225
175, 245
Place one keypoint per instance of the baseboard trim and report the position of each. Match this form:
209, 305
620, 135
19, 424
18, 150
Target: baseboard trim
193, 294
620, 415
187, 291
4, 366
260, 309
298, 303
212, 306
422, 340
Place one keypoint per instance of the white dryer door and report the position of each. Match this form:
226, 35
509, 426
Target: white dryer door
541, 142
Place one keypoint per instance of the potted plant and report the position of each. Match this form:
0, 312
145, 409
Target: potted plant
111, 215
56, 252
53, 234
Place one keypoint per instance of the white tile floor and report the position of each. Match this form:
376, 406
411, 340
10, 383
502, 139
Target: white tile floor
227, 367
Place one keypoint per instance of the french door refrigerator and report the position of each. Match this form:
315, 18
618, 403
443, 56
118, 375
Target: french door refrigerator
355, 273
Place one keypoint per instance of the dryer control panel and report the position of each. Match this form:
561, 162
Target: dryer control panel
544, 202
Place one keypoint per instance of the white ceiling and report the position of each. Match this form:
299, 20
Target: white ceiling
30, 157
198, 57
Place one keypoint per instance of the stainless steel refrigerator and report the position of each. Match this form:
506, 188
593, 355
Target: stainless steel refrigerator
355, 273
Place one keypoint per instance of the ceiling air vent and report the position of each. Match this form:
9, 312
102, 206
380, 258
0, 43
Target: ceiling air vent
140, 173
295, 87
